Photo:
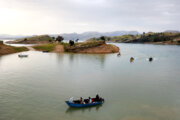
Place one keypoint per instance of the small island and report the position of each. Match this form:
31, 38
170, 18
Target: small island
52, 44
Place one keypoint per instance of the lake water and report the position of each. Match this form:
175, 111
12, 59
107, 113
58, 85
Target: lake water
36, 87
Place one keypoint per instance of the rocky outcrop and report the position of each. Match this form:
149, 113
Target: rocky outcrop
101, 49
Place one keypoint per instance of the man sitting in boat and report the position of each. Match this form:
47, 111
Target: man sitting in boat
82, 101
98, 98
90, 100
71, 100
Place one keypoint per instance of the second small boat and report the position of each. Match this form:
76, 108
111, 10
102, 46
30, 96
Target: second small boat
20, 55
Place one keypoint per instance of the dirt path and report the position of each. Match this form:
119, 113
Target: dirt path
30, 48
59, 49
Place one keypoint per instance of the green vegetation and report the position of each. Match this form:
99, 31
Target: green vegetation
34, 40
159, 38
83, 45
123, 38
38, 38
45, 47
6, 49
68, 47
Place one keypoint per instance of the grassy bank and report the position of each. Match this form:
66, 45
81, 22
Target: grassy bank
6, 49
20, 49
83, 45
45, 47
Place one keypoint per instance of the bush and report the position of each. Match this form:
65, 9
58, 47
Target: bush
71, 43
59, 39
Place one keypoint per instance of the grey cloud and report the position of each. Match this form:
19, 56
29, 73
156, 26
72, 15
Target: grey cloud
116, 14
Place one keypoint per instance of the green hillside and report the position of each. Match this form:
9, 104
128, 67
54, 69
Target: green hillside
150, 37
34, 40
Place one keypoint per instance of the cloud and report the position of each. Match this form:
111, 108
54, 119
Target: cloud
60, 16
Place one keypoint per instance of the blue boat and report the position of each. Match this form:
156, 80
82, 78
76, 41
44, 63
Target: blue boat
78, 105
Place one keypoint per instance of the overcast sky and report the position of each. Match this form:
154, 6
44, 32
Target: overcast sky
66, 16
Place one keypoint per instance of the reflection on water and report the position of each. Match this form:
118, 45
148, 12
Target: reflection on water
71, 110
74, 58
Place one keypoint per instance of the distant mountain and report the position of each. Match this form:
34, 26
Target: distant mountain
74, 36
88, 35
172, 31
6, 36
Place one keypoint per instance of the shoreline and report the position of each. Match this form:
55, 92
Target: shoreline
150, 43
61, 48
7, 49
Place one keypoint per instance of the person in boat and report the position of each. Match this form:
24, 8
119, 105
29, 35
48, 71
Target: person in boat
90, 100
119, 54
71, 100
150, 59
97, 97
82, 100
131, 59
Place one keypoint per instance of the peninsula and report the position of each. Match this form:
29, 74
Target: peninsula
6, 49
51, 44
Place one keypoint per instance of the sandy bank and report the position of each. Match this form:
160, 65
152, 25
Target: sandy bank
101, 49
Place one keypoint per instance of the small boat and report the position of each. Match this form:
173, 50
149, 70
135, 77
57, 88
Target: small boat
45, 51
150, 59
20, 55
76, 103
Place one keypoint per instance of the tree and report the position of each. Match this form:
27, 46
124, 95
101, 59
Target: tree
71, 42
25, 39
102, 38
53, 38
59, 39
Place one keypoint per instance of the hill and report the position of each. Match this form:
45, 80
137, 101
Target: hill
154, 38
74, 36
87, 35
41, 39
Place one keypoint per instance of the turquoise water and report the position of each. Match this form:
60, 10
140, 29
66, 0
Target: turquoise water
36, 87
